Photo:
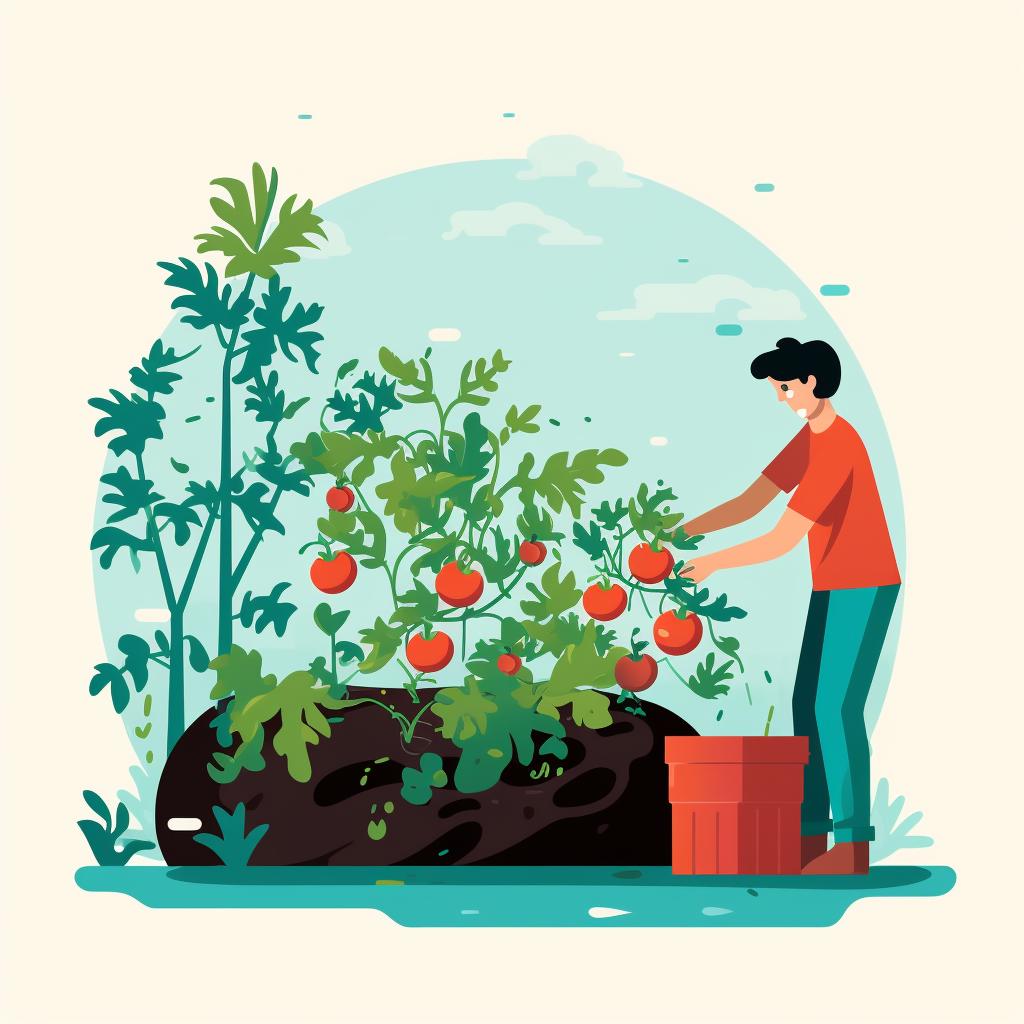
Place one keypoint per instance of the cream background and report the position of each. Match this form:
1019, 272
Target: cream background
891, 132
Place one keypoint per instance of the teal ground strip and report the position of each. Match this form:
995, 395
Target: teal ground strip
544, 897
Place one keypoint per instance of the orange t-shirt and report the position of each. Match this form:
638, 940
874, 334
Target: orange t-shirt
849, 542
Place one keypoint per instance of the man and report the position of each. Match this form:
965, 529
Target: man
855, 581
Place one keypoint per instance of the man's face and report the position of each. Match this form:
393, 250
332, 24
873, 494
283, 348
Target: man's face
798, 395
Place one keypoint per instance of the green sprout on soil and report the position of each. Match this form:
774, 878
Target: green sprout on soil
234, 846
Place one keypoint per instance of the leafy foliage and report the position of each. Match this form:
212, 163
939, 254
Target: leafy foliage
234, 846
244, 216
103, 835
891, 833
418, 784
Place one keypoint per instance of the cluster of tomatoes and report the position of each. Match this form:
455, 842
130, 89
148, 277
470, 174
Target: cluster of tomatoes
431, 650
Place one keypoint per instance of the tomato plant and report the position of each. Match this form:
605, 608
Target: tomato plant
463, 532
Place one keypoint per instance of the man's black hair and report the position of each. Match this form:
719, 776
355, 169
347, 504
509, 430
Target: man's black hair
793, 360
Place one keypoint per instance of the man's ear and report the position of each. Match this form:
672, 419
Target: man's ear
812, 383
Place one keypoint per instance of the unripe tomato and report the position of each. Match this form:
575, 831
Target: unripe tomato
675, 635
509, 663
650, 566
429, 655
636, 674
604, 603
532, 552
457, 588
333, 575
341, 499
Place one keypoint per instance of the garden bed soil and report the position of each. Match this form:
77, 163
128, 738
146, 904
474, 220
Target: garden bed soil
609, 806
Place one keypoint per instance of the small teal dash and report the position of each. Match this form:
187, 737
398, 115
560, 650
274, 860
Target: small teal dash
834, 289
682, 259
764, 186
508, 113
305, 117
727, 329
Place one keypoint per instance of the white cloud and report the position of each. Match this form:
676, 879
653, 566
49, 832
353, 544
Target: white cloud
152, 615
497, 222
704, 295
335, 244
626, 355
560, 156
659, 442
444, 334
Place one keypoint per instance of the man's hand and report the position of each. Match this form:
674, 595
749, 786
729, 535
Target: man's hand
698, 569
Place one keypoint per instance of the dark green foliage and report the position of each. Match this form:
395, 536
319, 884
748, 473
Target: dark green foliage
103, 835
234, 846
418, 784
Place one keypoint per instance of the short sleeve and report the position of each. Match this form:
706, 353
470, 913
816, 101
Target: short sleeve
786, 470
826, 476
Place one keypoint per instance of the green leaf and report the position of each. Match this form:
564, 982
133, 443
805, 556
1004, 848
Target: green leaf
246, 216
500, 565
467, 458
650, 521
198, 659
561, 482
408, 497
368, 541
132, 494
517, 422
421, 380
697, 602
478, 379
112, 539
557, 596
418, 783
589, 540
708, 680
536, 523
268, 610
416, 606
608, 516
209, 304
463, 711
257, 509
136, 659
111, 676
365, 411
137, 419
327, 621
438, 551
240, 673
353, 455
384, 641
308, 453
99, 807
581, 666
181, 518
277, 332
153, 377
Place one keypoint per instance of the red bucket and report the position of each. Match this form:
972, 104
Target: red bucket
736, 803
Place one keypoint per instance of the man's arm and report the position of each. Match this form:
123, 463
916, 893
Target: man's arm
736, 510
785, 536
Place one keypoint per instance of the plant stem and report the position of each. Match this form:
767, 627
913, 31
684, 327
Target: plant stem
176, 681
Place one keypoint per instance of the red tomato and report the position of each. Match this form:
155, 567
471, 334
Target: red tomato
333, 575
675, 635
604, 603
532, 552
341, 499
457, 588
429, 655
650, 566
509, 663
636, 674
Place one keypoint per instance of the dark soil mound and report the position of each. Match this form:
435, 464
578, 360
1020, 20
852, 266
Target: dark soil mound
609, 805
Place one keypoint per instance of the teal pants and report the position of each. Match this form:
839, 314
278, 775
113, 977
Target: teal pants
842, 642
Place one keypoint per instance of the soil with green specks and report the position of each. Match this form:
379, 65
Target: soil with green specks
609, 805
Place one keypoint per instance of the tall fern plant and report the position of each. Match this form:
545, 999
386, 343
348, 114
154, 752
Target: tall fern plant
255, 323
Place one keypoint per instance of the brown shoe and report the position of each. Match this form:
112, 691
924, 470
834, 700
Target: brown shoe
812, 847
842, 859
